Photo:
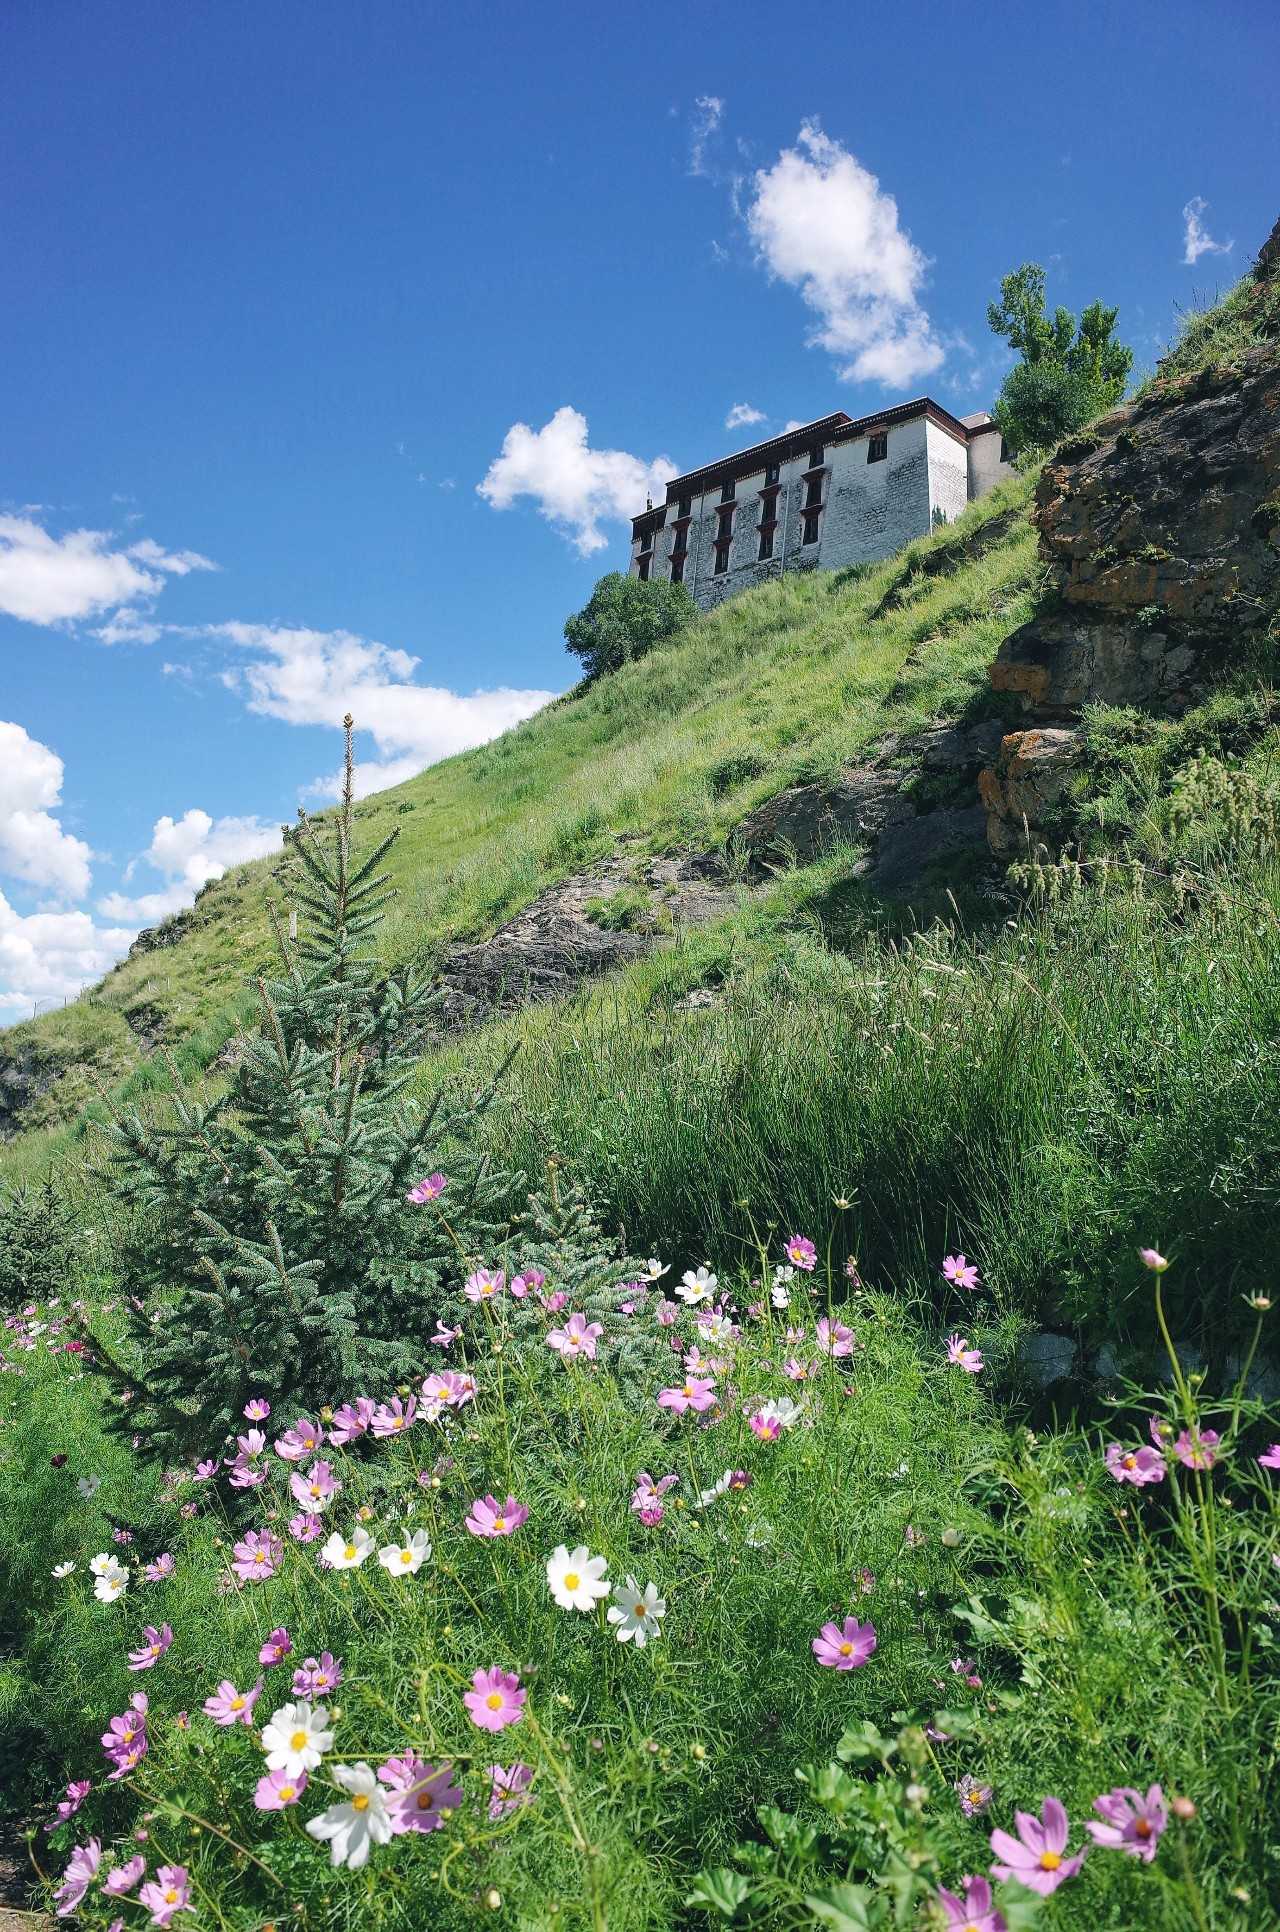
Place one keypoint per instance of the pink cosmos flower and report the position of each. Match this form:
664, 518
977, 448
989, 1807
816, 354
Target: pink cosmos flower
1197, 1448
251, 1443
666, 1311
648, 1494
278, 1789
975, 1795
77, 1791
488, 1517
801, 1252
1270, 1458
697, 1394
844, 1646
553, 1303
276, 1648
167, 1893
82, 1869
445, 1337
651, 1515
496, 1699
527, 1282
1037, 1857
1153, 1259
257, 1556
577, 1337
764, 1425
351, 1420
162, 1567
204, 1470
1132, 1823
429, 1190
399, 1773
391, 1418
960, 1353
508, 1789
306, 1526
152, 1648
257, 1409
228, 1706
964, 1667
424, 1804
300, 1441
834, 1338
316, 1490
243, 1474
1160, 1431
124, 1877
960, 1272
1136, 1466
485, 1284
446, 1390
318, 1676
974, 1912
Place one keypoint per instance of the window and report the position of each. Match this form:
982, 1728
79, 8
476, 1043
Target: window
816, 455
771, 475
722, 559
645, 562
813, 493
677, 566
810, 526
1004, 450
878, 446
685, 506
727, 491
766, 542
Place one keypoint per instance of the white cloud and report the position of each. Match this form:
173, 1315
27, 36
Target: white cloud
742, 415
708, 112
1196, 239
188, 851
55, 580
821, 222
307, 677
51, 956
574, 486
33, 845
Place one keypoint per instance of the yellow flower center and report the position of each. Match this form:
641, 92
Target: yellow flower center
398, 1423
494, 1700
406, 1556
499, 1522
171, 1896
1049, 1861
298, 1741
349, 1551
641, 1610
155, 1650
359, 1802
572, 1580
288, 1791
237, 1703
259, 1556
1131, 1462
846, 1650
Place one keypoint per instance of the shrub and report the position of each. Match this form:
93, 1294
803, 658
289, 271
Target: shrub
40, 1243
625, 619
1069, 372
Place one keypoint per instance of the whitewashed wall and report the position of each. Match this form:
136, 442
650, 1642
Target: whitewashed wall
985, 467
948, 475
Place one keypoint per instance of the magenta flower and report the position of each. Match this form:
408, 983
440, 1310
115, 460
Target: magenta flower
429, 1190
485, 1284
1153, 1259
392, 1418
278, 1789
844, 1646
351, 1420
975, 1795
317, 1489
228, 1706
1132, 1823
489, 1517
77, 1791
82, 1869
162, 1567
152, 1648
1197, 1448
124, 1877
257, 1556
251, 1443
960, 1272
801, 1252
167, 1893
243, 1474
1037, 1857
204, 1470
124, 1731
667, 1311
447, 1390
508, 1789
1270, 1458
399, 1773
834, 1338
424, 1804
445, 1336
962, 1356
276, 1648
1161, 1432
306, 1526
496, 1699
318, 1676
526, 1282
698, 1394
257, 1409
555, 1301
648, 1494
1136, 1466
651, 1515
577, 1337
974, 1912
303, 1439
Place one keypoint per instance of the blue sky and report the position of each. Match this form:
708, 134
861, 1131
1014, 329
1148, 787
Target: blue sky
283, 282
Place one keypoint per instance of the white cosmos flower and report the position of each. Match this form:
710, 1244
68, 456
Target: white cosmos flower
407, 1558
63, 1569
102, 1562
718, 1488
783, 1411
297, 1738
635, 1613
110, 1584
89, 1486
696, 1287
348, 1552
363, 1821
577, 1578
654, 1270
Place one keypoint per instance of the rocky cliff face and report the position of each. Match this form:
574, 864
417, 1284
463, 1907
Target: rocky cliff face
1162, 528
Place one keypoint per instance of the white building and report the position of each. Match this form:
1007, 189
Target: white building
831, 493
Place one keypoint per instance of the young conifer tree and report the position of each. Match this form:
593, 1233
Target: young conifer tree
276, 1252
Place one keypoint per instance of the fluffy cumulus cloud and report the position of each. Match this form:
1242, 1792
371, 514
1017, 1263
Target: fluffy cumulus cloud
822, 223
46, 957
307, 677
1196, 239
46, 579
188, 851
33, 845
742, 416
574, 486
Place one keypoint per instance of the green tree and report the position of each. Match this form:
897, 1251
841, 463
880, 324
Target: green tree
274, 1248
625, 618
40, 1244
1069, 372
